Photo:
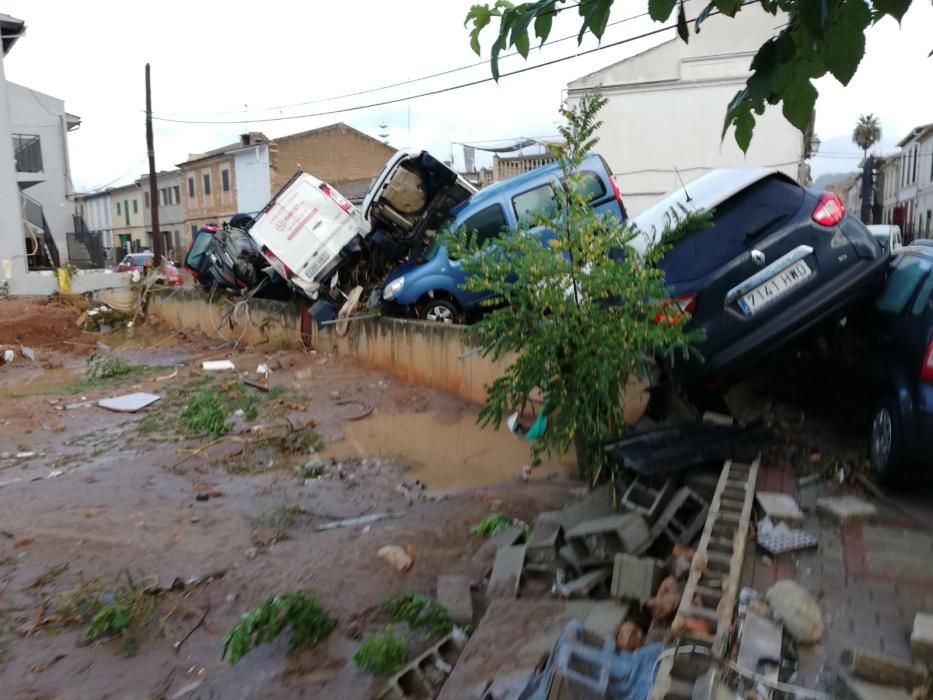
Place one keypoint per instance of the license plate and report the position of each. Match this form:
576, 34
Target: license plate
316, 264
775, 288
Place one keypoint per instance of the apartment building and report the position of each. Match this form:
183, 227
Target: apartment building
168, 197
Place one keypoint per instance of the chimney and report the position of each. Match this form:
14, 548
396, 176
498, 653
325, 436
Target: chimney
252, 138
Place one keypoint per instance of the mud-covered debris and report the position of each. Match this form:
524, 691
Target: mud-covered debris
201, 496
396, 556
28, 352
797, 609
356, 522
8, 356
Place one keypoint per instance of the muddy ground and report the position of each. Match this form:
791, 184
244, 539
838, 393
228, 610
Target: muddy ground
99, 504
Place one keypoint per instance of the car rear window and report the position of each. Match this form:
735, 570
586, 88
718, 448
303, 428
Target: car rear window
198, 248
738, 221
141, 259
906, 274
591, 185
540, 200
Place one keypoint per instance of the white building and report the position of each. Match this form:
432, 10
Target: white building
95, 209
253, 177
666, 108
915, 183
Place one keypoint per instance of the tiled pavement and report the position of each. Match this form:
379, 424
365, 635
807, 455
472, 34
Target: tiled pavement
870, 579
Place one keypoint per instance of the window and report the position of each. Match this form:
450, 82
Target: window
194, 231
118, 209
915, 165
487, 223
906, 274
145, 200
540, 200
737, 223
922, 302
591, 186
191, 187
126, 212
207, 183
135, 206
225, 180
177, 191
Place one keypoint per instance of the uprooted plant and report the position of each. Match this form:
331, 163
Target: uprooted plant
579, 300
382, 653
420, 612
308, 623
492, 524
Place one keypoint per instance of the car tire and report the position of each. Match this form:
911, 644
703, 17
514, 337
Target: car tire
884, 442
440, 311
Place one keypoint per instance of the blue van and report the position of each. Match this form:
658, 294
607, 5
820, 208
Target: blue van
432, 289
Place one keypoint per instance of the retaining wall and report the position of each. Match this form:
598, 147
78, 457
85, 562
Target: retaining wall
421, 352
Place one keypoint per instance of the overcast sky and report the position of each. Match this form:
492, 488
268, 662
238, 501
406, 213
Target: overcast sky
232, 60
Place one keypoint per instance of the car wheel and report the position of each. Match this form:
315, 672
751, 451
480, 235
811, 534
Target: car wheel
884, 443
440, 311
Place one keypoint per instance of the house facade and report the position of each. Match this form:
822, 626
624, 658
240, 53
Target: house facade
914, 211
171, 212
665, 107
208, 187
129, 230
95, 210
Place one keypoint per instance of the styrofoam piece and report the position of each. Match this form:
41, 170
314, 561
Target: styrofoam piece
217, 365
129, 403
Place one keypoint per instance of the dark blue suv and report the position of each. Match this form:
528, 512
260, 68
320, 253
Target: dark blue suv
432, 289
900, 334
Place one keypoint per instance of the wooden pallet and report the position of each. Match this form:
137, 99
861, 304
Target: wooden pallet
713, 583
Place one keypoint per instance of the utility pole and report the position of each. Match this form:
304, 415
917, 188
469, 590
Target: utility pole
153, 191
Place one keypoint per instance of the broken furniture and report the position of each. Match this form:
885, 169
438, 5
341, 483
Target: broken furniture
684, 446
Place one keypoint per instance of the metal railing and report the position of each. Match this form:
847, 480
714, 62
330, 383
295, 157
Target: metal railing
86, 250
27, 153
41, 250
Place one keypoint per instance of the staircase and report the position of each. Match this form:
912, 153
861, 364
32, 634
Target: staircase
41, 250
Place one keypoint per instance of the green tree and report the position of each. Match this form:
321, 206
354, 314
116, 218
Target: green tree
576, 318
821, 36
867, 132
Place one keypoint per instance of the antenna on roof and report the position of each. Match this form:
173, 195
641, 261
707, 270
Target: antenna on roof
682, 184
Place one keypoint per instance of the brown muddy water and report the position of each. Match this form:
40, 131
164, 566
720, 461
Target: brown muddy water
447, 455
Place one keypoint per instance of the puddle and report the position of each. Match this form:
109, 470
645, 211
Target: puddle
446, 456
35, 381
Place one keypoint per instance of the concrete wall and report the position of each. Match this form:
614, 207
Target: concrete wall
666, 108
420, 352
33, 112
12, 239
253, 184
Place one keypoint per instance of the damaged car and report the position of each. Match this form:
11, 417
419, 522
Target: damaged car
432, 287
318, 241
780, 261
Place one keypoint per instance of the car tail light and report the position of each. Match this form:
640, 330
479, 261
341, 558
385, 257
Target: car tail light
615, 189
926, 372
675, 309
276, 261
336, 196
830, 210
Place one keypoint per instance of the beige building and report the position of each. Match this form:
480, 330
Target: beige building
129, 229
208, 185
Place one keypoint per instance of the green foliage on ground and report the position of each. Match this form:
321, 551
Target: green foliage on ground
492, 524
580, 302
308, 623
382, 653
107, 367
819, 37
420, 612
126, 616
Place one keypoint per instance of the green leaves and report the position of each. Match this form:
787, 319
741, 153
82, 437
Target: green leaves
660, 10
844, 42
302, 614
595, 14
894, 8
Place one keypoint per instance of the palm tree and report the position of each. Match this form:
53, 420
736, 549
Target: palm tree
867, 132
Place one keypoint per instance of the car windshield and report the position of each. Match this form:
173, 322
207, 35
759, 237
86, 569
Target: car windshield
142, 259
906, 274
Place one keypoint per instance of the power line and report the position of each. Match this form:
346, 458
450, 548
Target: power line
402, 83
429, 93
98, 188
